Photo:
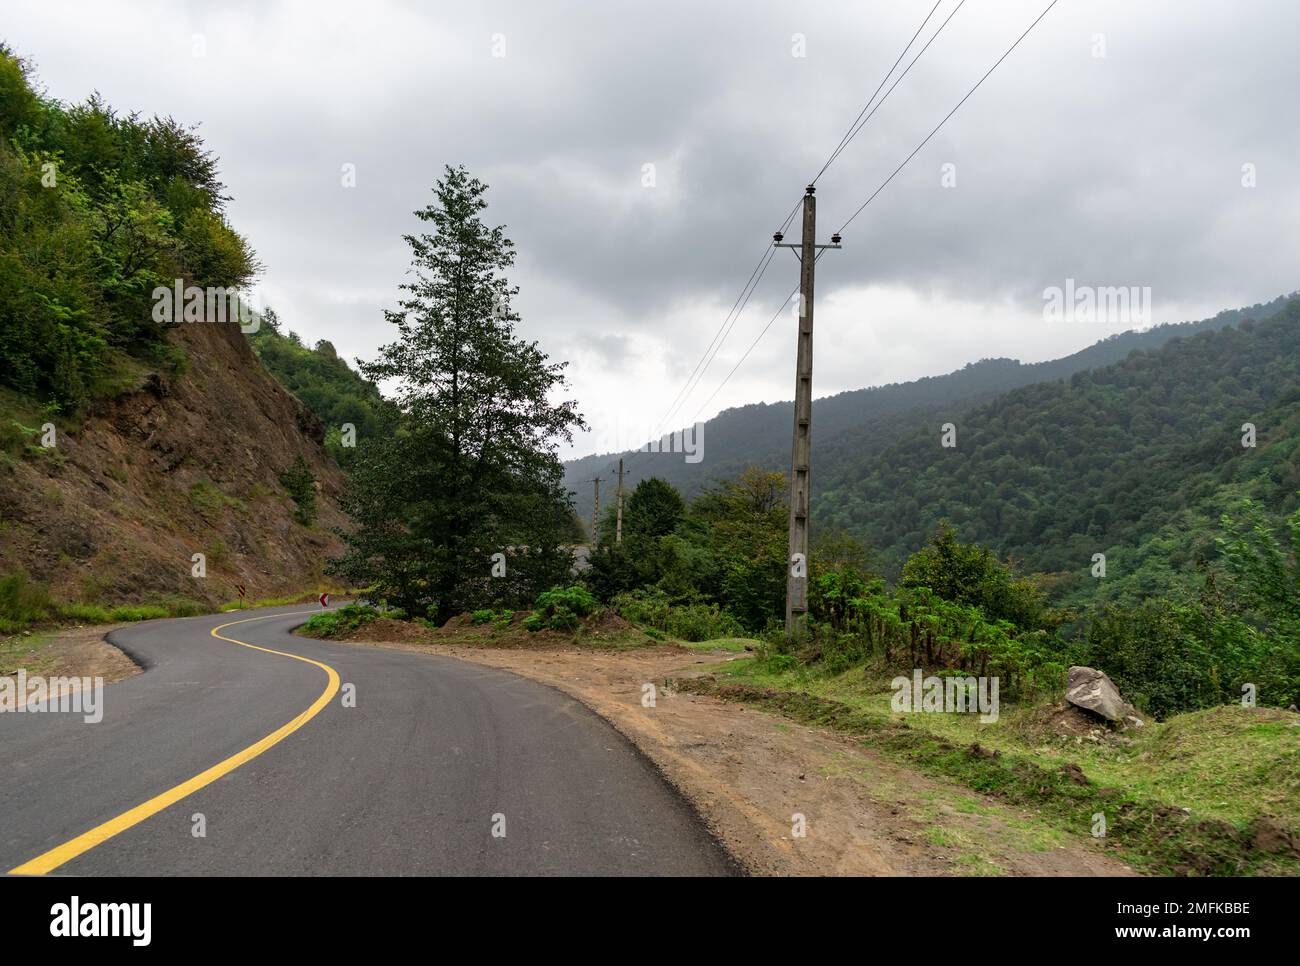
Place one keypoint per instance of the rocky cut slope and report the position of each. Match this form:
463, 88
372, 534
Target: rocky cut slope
186, 461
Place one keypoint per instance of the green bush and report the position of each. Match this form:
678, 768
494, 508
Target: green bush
345, 620
576, 599
22, 603
687, 622
563, 619
480, 617
561, 609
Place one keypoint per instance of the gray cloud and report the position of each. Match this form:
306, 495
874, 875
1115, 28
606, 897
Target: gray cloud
1122, 170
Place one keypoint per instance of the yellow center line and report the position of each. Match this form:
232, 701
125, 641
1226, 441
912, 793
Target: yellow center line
101, 833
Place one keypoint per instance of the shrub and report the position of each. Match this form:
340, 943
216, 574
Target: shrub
22, 602
300, 483
564, 619
480, 617
576, 599
337, 623
561, 609
689, 622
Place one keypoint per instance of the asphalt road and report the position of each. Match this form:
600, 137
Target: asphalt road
412, 780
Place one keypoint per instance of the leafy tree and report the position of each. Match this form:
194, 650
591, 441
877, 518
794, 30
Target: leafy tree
472, 470
653, 510
745, 525
96, 210
971, 575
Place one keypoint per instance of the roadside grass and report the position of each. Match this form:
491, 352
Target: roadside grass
26, 605
599, 630
1204, 793
27, 651
512, 629
306, 597
738, 645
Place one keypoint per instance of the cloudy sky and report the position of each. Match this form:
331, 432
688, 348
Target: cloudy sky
1114, 147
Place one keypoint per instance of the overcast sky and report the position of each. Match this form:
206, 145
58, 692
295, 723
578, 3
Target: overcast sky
1109, 148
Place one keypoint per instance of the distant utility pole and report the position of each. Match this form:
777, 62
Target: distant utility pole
595, 516
796, 584
618, 527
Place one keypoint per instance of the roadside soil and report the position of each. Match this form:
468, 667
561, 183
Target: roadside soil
73, 652
750, 774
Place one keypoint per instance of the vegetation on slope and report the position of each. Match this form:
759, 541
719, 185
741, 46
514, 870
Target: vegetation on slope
96, 210
325, 384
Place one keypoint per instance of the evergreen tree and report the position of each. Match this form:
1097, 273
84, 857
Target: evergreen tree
472, 470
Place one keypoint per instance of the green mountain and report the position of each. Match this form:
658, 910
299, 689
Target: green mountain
850, 428
1136, 460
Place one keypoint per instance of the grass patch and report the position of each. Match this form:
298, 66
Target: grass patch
208, 500
1192, 796
736, 645
26, 651
305, 597
22, 603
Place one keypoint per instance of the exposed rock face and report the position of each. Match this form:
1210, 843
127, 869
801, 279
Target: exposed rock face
182, 464
1093, 691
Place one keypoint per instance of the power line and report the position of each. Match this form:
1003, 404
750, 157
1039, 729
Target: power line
853, 130
728, 376
923, 143
996, 64
933, 37
720, 336
767, 260
848, 135
728, 323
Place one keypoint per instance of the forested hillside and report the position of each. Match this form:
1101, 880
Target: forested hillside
854, 424
1147, 449
325, 384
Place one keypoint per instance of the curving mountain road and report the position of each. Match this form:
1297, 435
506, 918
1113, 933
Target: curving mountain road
259, 748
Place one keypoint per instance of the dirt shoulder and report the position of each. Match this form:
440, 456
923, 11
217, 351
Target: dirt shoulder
74, 652
750, 774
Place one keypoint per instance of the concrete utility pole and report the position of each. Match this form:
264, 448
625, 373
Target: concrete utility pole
618, 527
796, 585
595, 516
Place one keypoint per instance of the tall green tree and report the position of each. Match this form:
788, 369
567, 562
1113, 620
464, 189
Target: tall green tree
473, 469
